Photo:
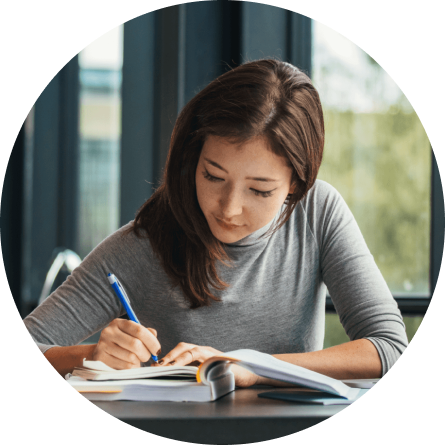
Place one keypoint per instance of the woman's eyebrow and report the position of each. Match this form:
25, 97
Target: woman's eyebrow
247, 177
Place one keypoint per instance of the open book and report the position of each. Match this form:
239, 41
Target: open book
213, 379
93, 370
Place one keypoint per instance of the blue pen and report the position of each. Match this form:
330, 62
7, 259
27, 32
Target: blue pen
122, 295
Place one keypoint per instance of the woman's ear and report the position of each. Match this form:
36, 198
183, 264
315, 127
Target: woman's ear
292, 188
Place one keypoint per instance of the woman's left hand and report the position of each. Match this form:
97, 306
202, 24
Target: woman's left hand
187, 354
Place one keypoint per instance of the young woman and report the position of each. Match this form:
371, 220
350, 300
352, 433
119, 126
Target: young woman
235, 249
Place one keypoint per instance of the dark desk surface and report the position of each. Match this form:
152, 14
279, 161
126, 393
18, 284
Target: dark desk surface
238, 417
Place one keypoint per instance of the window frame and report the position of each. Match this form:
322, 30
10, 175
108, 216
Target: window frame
48, 177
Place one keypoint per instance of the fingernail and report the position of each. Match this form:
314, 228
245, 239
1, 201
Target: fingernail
159, 352
160, 362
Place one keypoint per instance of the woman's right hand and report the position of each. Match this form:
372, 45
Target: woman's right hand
124, 344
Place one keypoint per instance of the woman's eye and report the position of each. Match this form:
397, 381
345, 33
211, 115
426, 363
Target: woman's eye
208, 176
263, 194
211, 178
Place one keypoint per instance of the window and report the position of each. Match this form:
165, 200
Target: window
378, 156
100, 74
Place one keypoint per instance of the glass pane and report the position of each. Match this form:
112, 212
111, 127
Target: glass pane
377, 155
100, 130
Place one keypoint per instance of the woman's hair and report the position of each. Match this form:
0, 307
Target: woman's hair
263, 98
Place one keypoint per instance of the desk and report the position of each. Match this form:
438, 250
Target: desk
238, 417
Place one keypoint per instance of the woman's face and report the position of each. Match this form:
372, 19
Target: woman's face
240, 187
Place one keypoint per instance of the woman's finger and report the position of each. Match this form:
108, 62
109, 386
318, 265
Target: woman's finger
190, 356
185, 354
113, 361
153, 331
147, 342
170, 358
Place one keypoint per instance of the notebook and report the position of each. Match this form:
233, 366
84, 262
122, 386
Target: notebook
214, 379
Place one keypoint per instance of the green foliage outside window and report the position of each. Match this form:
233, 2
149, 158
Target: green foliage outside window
381, 165
378, 156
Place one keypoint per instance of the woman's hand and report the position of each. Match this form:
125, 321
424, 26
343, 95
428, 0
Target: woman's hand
124, 344
188, 354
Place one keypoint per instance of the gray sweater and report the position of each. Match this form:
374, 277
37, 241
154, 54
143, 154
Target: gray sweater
275, 302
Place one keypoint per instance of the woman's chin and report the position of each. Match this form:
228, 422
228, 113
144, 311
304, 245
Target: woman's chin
228, 237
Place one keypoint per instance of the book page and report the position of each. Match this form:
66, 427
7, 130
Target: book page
96, 365
268, 366
96, 370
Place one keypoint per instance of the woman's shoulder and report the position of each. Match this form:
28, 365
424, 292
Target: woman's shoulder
322, 208
321, 196
322, 185
123, 244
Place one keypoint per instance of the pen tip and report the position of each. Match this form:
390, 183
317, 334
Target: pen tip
109, 275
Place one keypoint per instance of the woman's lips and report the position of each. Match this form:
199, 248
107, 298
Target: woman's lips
228, 226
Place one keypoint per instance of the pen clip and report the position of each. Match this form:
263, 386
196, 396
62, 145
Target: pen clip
122, 290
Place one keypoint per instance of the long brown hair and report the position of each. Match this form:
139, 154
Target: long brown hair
266, 98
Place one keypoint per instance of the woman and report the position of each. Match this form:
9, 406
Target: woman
235, 249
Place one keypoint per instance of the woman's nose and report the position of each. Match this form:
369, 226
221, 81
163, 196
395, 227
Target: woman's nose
231, 203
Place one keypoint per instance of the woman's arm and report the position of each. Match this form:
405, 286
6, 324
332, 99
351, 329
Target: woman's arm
65, 358
362, 299
356, 359
86, 303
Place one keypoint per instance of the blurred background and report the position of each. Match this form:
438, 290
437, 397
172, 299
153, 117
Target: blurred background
94, 145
